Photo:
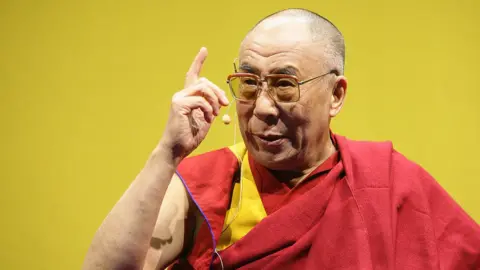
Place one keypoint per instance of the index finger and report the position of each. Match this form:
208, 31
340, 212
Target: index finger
197, 64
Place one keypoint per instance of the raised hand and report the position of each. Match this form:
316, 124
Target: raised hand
192, 111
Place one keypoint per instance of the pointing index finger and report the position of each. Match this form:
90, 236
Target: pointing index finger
197, 64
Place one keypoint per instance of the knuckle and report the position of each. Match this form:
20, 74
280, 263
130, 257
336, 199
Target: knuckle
203, 85
204, 90
176, 97
208, 107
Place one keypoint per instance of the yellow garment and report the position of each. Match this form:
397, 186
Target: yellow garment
251, 210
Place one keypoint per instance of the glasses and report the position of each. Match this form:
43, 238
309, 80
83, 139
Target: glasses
280, 87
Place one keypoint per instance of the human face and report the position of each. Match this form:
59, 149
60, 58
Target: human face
286, 136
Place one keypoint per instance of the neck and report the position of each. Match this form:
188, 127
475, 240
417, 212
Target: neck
294, 177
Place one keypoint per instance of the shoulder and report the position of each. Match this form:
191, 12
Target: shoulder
376, 166
206, 158
378, 153
211, 164
363, 147
219, 157
377, 163
215, 153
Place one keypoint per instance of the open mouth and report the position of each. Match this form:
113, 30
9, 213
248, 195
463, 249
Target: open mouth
271, 140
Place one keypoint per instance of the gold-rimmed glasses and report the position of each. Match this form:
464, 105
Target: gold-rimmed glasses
282, 88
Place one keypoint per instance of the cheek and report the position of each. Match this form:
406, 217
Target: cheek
309, 116
244, 114
301, 114
316, 105
295, 120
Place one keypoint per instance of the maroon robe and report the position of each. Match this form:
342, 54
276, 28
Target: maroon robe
275, 194
374, 209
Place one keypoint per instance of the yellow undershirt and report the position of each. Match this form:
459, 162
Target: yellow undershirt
239, 221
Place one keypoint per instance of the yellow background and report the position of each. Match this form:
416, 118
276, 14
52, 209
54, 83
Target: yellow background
85, 89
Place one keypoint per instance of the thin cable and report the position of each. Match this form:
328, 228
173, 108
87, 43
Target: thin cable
241, 189
220, 257
235, 129
239, 206
240, 181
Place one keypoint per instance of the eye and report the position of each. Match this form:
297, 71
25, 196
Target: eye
249, 81
283, 83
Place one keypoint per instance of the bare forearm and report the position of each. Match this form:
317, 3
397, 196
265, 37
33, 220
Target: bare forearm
123, 238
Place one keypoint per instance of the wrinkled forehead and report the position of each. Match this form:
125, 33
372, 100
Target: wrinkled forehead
279, 43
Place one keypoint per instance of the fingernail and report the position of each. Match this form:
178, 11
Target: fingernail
225, 99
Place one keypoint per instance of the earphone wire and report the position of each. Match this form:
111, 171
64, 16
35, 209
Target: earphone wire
219, 257
235, 129
240, 180
241, 189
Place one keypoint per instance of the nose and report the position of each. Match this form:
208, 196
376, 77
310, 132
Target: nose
265, 107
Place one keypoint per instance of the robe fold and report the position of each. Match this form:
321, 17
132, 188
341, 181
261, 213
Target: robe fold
375, 209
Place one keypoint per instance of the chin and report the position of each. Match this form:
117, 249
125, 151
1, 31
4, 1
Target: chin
286, 159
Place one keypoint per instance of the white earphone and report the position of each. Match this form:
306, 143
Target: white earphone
226, 119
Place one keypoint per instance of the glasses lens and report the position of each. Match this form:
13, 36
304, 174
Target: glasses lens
284, 89
244, 87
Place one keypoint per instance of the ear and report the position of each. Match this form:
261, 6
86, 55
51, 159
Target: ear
338, 95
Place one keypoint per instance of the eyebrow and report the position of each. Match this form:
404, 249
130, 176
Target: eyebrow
288, 70
248, 69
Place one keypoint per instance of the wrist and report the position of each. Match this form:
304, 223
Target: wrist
170, 153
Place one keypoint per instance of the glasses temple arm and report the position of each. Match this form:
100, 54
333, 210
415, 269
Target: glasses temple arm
311, 79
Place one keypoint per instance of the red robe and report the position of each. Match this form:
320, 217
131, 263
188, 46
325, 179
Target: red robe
275, 194
374, 210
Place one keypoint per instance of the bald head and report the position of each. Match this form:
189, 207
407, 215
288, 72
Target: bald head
322, 31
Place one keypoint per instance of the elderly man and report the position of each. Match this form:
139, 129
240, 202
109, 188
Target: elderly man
293, 195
